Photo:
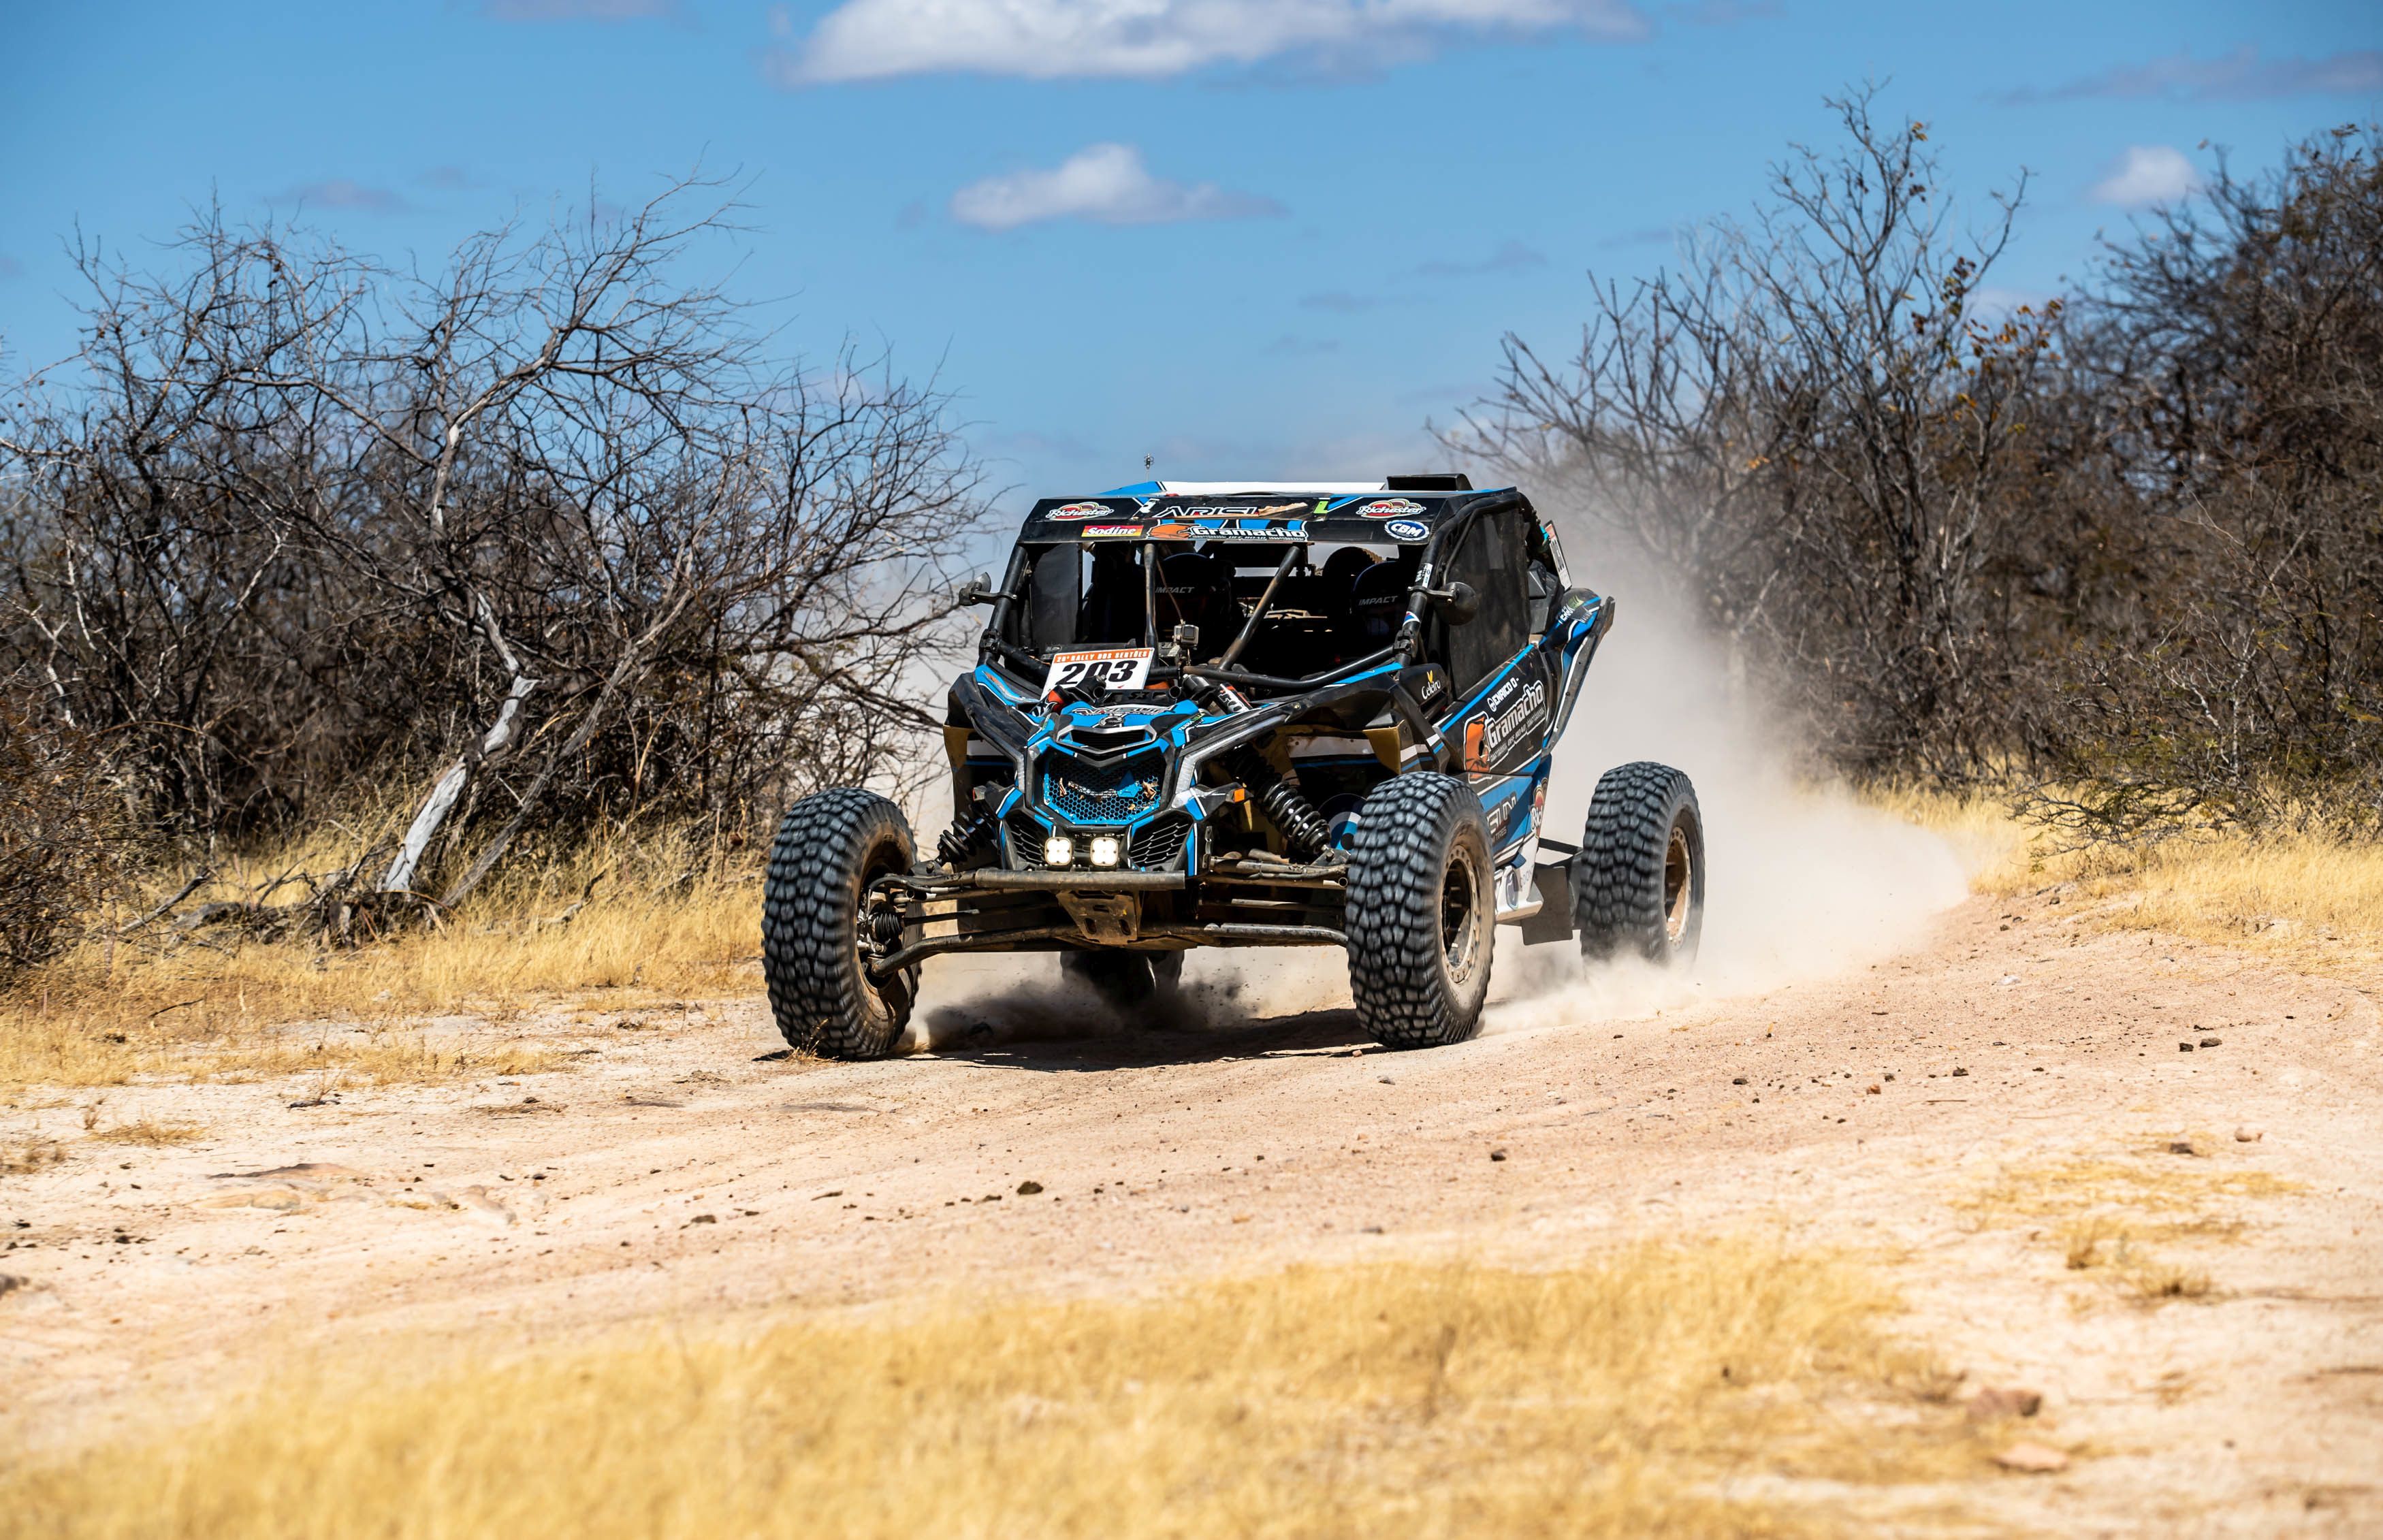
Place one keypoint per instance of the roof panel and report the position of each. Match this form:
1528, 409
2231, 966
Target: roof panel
1308, 514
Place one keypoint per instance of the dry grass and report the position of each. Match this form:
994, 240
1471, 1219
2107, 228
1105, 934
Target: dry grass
153, 1135
2302, 894
1661, 1390
19, 1158
651, 922
2089, 1242
2155, 1283
2177, 1192
2307, 895
2104, 1215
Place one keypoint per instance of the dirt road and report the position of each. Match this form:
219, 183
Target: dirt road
1969, 1116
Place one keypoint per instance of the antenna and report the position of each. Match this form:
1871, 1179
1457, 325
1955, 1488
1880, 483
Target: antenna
1146, 463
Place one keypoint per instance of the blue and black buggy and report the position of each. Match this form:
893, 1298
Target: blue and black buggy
1248, 715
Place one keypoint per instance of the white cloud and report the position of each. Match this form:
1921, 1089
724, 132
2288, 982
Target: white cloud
2147, 174
875, 40
2240, 76
1105, 183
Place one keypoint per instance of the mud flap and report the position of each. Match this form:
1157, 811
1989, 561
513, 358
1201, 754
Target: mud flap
1553, 922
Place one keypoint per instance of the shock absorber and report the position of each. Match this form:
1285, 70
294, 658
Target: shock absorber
967, 836
1303, 824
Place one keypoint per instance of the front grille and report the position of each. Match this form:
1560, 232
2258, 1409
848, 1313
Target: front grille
1084, 793
1026, 838
1156, 844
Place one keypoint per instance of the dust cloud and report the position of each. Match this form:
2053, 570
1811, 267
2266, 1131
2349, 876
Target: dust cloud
1801, 880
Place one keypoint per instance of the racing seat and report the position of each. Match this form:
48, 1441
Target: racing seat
1378, 602
1337, 583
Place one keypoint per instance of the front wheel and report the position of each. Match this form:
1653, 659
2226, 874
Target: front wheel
815, 945
1638, 883
1419, 912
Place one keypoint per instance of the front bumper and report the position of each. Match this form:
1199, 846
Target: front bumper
1273, 903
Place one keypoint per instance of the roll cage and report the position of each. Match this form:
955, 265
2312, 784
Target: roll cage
1118, 570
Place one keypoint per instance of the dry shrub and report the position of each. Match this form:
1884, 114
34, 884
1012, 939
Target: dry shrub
62, 836
1635, 1395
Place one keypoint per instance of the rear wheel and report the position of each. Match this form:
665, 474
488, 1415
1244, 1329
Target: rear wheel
1638, 883
815, 944
1127, 978
1419, 912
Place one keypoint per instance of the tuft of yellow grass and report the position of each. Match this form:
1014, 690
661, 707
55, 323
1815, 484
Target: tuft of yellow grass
2088, 1242
155, 1135
2308, 894
2179, 1191
1661, 1389
19, 1158
2104, 1213
2157, 1283
646, 922
2302, 894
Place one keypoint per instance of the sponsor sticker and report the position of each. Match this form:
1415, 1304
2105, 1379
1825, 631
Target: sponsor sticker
1233, 511
1112, 531
1226, 529
1118, 668
1492, 736
1080, 511
1407, 529
1390, 508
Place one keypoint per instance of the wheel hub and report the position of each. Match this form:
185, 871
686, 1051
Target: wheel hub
1679, 883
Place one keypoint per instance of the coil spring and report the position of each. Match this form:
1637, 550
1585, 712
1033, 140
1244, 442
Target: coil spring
1303, 824
964, 838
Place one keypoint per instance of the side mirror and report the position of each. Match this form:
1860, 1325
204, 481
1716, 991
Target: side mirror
1458, 604
977, 590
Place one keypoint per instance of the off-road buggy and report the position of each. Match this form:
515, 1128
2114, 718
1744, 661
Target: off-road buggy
1248, 715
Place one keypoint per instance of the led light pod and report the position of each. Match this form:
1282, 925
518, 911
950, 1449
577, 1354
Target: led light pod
1104, 850
1059, 851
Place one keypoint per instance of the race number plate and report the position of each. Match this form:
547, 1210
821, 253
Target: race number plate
1117, 668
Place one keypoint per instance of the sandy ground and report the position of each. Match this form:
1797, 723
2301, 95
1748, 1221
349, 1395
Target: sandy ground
679, 1170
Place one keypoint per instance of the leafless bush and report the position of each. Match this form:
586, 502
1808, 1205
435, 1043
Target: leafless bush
545, 531
2123, 547
63, 835
1813, 422
2232, 355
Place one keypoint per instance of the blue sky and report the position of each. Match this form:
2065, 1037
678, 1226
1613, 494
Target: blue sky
1245, 237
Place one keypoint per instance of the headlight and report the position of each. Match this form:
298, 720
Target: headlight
1059, 851
1104, 850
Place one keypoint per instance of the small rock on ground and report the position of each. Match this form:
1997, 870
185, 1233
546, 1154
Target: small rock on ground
2032, 1457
